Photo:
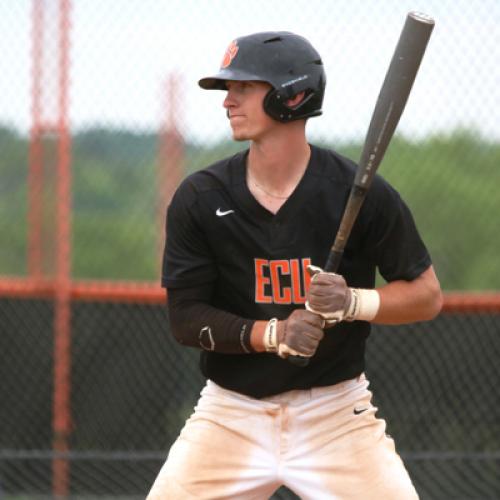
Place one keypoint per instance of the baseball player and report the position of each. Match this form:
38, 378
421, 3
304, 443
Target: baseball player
246, 240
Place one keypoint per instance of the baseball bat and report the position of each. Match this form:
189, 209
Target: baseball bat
388, 109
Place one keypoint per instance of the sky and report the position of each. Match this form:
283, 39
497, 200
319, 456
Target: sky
122, 52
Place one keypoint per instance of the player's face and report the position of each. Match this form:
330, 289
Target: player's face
244, 105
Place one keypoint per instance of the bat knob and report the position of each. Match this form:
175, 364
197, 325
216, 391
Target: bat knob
421, 17
298, 360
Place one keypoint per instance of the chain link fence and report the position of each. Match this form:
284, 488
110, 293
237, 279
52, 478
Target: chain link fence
119, 80
435, 384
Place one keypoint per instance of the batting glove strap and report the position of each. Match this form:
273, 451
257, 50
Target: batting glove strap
364, 305
271, 343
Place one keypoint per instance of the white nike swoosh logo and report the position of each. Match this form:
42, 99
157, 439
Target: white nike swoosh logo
220, 213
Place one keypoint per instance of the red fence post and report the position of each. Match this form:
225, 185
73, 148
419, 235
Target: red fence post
62, 320
35, 153
171, 156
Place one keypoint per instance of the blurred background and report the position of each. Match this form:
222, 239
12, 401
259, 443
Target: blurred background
101, 117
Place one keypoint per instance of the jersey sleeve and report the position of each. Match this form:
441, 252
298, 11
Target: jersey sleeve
187, 259
392, 236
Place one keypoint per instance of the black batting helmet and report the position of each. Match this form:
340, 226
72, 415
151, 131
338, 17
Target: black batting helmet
286, 61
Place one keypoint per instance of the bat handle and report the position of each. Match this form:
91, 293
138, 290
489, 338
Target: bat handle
301, 361
331, 266
333, 262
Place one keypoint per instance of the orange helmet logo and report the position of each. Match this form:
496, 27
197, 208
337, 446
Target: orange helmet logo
230, 54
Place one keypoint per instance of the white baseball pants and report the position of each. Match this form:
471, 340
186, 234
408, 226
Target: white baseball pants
323, 443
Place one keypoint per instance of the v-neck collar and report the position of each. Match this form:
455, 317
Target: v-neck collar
304, 189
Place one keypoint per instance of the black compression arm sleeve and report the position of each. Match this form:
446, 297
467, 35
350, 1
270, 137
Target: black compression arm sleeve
195, 323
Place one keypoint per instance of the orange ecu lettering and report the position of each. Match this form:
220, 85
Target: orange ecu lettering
269, 277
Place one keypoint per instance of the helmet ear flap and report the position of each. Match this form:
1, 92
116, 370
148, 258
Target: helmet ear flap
275, 106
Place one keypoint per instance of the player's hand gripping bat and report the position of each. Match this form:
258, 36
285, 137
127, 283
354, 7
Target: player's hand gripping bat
388, 109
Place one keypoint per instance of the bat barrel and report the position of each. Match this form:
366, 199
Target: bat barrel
394, 93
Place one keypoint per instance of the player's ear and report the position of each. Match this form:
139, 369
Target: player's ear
296, 100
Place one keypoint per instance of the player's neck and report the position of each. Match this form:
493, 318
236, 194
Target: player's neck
275, 168
279, 161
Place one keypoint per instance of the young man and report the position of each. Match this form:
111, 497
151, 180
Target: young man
244, 237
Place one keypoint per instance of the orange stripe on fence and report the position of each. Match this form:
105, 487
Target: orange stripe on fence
471, 302
122, 291
148, 292
90, 291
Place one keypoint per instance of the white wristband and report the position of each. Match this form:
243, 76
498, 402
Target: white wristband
271, 336
364, 305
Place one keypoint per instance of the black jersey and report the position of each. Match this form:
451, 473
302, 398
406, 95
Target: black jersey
218, 233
